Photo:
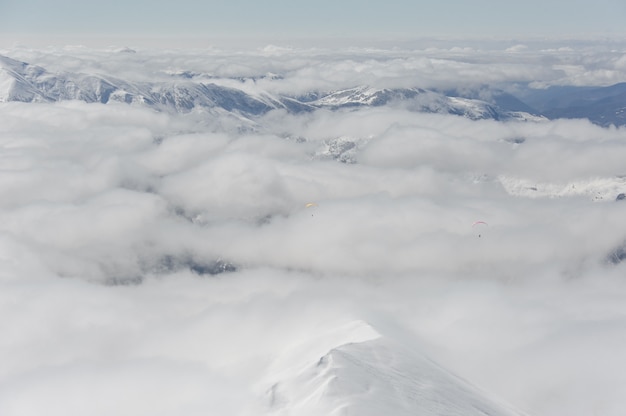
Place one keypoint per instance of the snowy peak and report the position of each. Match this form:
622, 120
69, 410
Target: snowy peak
8, 64
368, 374
30, 83
15, 82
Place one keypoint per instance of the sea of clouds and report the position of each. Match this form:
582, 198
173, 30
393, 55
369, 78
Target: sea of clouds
155, 263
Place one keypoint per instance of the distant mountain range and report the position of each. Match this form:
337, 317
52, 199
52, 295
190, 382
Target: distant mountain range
601, 105
21, 81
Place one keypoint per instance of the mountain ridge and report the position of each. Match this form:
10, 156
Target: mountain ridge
358, 370
24, 82
185, 91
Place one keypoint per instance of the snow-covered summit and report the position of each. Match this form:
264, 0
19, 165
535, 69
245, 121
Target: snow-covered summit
15, 82
354, 370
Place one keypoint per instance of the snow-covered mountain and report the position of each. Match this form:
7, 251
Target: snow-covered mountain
355, 370
20, 81
417, 99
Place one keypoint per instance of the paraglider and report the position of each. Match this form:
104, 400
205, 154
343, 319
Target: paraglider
479, 224
310, 205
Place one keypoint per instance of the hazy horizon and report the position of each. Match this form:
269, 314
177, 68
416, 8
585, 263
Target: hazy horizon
325, 19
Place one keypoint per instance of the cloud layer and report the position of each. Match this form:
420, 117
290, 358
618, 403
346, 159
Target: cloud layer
116, 222
303, 67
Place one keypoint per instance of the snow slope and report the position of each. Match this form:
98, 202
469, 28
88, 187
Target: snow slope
595, 189
354, 370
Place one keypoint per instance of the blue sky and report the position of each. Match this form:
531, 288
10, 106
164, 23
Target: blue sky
349, 18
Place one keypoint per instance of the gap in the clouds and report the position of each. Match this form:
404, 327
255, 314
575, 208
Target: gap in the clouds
169, 264
618, 255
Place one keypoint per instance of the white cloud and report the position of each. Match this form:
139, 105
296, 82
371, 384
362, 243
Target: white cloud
93, 194
426, 63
